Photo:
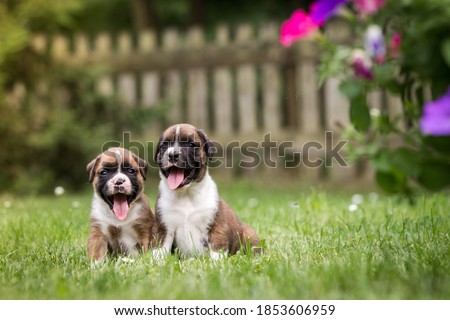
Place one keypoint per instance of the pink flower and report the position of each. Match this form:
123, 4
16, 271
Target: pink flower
394, 45
299, 25
365, 7
361, 64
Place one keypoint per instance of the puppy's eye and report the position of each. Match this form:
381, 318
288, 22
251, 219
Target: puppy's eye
163, 145
103, 172
131, 171
192, 145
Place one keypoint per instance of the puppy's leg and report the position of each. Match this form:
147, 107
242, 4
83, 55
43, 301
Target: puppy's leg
97, 244
250, 240
219, 244
143, 231
164, 250
143, 245
217, 255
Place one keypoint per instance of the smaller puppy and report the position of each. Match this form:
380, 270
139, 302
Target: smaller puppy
121, 219
190, 215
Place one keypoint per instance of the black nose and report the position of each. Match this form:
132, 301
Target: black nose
173, 156
119, 181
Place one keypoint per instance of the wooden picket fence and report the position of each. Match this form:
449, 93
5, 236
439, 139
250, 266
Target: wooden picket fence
237, 86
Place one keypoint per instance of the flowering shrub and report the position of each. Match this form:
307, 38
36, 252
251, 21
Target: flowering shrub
298, 26
436, 116
401, 47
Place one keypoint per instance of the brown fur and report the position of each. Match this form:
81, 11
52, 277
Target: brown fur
97, 243
108, 156
229, 233
109, 241
187, 130
226, 232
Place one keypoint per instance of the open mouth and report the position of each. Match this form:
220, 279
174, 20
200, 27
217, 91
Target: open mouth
179, 177
119, 203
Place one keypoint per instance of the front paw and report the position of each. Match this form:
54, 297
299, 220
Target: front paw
217, 255
159, 254
95, 264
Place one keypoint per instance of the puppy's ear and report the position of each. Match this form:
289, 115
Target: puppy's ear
143, 166
90, 168
155, 157
208, 146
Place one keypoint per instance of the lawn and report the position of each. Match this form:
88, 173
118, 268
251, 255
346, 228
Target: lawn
316, 248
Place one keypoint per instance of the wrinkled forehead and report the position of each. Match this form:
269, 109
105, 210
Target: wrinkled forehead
181, 133
117, 157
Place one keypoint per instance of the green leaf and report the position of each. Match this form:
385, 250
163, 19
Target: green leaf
359, 113
406, 161
438, 143
393, 86
446, 50
333, 61
435, 175
389, 182
351, 89
382, 160
401, 161
385, 72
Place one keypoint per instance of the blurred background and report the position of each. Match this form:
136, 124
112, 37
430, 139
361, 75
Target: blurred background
78, 74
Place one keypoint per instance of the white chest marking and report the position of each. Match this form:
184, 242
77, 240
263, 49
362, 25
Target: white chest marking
187, 215
105, 218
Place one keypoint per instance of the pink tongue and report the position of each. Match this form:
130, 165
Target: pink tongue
176, 177
120, 207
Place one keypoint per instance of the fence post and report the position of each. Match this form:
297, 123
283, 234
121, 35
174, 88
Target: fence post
246, 85
59, 48
81, 48
126, 81
307, 89
150, 82
375, 100
16, 97
395, 110
172, 83
336, 105
60, 52
197, 91
271, 83
39, 43
102, 49
223, 89
308, 109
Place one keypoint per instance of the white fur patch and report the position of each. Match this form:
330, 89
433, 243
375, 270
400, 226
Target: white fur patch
176, 144
105, 218
214, 255
159, 254
126, 185
170, 150
187, 214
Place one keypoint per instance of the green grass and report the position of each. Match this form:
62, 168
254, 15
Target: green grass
315, 249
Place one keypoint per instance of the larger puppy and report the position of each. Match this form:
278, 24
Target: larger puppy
121, 219
189, 213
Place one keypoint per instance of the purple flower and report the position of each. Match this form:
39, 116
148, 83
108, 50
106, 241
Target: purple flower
435, 119
322, 10
361, 64
374, 43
